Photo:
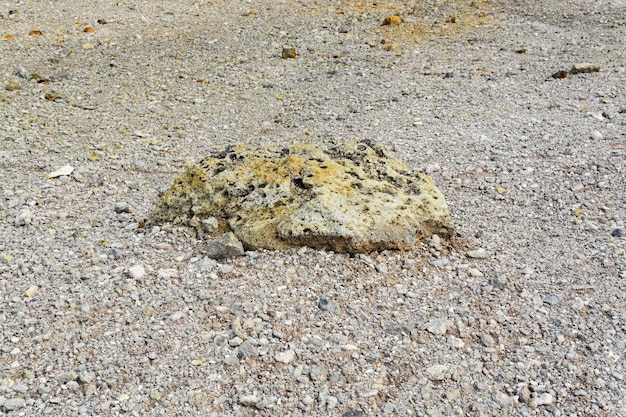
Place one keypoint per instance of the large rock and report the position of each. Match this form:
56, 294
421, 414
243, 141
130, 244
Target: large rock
351, 198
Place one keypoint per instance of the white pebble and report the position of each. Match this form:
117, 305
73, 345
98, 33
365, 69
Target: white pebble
595, 135
285, 357
136, 272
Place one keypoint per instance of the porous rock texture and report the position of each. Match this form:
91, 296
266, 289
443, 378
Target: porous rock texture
355, 197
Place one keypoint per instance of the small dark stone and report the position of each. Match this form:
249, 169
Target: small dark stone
618, 232
353, 413
327, 304
560, 74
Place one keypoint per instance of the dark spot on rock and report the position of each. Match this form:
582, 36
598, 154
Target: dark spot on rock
299, 183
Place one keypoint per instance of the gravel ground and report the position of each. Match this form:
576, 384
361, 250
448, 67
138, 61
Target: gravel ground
522, 314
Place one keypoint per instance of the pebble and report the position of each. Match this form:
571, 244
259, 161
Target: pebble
392, 20
596, 135
247, 350
289, 53
231, 360
319, 373
545, 399
523, 394
477, 254
438, 326
327, 304
552, 299
437, 372
167, 273
24, 217
14, 404
585, 67
137, 272
505, 400
249, 400
487, 340
353, 413
285, 357
63, 171
225, 246
619, 232
122, 207
455, 342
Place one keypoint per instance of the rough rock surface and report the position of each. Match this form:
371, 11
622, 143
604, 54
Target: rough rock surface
351, 198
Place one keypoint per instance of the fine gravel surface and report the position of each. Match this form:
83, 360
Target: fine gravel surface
523, 313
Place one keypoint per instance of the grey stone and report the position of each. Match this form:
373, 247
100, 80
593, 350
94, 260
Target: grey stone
225, 246
231, 360
14, 404
285, 357
249, 400
68, 376
477, 254
122, 207
523, 394
319, 373
24, 217
205, 264
545, 399
351, 198
246, 350
585, 67
437, 372
618, 232
353, 413
439, 326
327, 304
552, 299
487, 340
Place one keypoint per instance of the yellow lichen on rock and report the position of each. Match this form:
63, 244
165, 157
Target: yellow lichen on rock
351, 198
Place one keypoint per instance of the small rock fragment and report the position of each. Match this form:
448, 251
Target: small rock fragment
327, 304
438, 326
545, 399
585, 67
249, 400
167, 273
247, 350
31, 291
65, 170
14, 404
122, 207
24, 217
437, 372
560, 74
477, 254
136, 272
596, 135
285, 357
619, 232
392, 20
353, 413
487, 340
225, 246
289, 53
523, 394
12, 86
551, 299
